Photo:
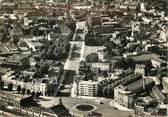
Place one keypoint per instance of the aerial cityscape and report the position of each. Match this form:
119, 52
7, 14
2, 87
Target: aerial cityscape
83, 58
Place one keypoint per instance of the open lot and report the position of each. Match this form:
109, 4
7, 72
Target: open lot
92, 49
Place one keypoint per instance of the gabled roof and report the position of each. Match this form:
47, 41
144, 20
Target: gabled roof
135, 86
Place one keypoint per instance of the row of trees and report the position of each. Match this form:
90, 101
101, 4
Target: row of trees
23, 91
107, 91
9, 87
40, 70
56, 50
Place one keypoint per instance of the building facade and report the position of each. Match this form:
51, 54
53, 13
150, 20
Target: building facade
140, 69
123, 97
38, 86
88, 88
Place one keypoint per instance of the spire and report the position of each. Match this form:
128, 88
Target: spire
60, 101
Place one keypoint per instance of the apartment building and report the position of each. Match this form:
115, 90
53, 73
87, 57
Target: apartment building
140, 69
41, 85
88, 88
123, 97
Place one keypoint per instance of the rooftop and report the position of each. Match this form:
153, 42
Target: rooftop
144, 57
88, 82
165, 79
140, 66
135, 86
158, 94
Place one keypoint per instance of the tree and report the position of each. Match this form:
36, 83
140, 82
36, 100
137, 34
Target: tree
5, 36
1, 85
104, 73
10, 87
138, 49
37, 74
71, 24
18, 88
37, 95
110, 91
23, 90
109, 44
57, 50
104, 91
33, 93
93, 57
89, 75
15, 39
94, 39
129, 63
37, 66
25, 63
120, 63
44, 69
28, 92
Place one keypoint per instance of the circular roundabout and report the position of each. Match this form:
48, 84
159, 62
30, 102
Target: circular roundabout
85, 107
82, 110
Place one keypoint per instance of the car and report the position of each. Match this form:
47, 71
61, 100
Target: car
115, 108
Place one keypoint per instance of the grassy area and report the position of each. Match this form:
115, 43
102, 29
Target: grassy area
91, 49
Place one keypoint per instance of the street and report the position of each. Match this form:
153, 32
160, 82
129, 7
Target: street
76, 52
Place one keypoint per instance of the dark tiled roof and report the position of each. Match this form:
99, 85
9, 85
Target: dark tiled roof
131, 78
144, 57
138, 85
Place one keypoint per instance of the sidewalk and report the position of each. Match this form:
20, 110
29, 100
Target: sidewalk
87, 97
119, 107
